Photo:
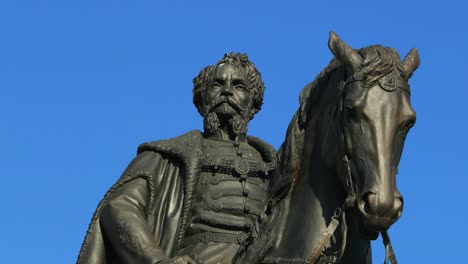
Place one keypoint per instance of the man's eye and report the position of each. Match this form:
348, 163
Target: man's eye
216, 84
240, 87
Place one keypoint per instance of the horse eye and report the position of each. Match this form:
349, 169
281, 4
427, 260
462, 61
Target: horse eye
408, 125
351, 109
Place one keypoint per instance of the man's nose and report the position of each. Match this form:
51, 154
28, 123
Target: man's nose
227, 89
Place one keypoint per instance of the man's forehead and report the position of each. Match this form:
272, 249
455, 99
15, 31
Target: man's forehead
226, 70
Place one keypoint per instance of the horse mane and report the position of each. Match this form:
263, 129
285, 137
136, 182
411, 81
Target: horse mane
289, 161
290, 152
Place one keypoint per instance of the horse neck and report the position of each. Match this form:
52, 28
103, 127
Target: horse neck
316, 193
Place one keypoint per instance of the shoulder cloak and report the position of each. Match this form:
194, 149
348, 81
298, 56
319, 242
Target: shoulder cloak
186, 149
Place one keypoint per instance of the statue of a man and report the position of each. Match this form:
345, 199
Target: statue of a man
197, 198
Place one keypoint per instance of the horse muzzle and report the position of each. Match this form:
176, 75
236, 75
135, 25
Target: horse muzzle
379, 210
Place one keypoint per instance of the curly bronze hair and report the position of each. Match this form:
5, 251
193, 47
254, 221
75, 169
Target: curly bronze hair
242, 63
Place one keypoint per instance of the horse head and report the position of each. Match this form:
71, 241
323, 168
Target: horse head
376, 115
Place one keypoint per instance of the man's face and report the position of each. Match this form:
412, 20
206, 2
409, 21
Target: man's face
229, 94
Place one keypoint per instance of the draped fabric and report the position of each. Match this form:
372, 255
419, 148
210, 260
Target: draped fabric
154, 227
143, 216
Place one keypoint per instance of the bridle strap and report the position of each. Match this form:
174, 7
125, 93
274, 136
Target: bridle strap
389, 253
317, 250
335, 221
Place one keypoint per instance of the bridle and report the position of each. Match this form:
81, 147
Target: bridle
339, 216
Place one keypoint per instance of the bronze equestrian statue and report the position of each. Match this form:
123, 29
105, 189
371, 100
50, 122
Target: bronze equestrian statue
219, 196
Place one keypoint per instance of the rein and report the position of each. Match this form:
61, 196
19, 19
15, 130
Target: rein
335, 222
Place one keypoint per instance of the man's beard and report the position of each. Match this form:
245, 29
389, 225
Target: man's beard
237, 124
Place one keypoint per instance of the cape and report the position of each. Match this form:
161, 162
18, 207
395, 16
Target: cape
184, 154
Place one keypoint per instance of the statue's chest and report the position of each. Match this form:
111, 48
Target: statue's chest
231, 193
239, 160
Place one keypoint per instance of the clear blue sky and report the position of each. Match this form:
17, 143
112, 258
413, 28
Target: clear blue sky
83, 83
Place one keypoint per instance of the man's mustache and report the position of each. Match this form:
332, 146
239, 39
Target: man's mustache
224, 99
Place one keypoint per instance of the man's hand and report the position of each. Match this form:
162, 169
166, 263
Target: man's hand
179, 260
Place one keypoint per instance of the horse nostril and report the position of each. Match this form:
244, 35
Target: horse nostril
370, 201
398, 206
379, 203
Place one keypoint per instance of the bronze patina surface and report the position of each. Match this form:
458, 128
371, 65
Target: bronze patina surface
221, 196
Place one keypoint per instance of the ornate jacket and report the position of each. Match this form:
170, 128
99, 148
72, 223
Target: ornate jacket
143, 217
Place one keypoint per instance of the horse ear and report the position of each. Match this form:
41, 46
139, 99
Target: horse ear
343, 52
411, 62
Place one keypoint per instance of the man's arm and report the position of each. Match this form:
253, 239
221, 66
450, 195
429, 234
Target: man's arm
125, 227
124, 218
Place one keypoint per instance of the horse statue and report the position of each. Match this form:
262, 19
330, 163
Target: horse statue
336, 180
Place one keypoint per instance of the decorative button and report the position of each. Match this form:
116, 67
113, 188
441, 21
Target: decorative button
236, 144
242, 166
216, 179
243, 177
216, 206
245, 192
247, 209
215, 195
239, 153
